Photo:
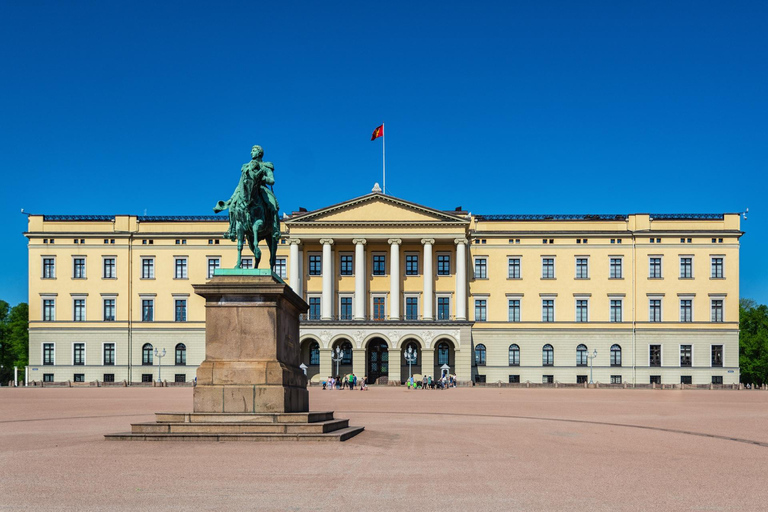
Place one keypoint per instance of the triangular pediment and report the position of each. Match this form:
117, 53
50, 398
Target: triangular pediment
376, 208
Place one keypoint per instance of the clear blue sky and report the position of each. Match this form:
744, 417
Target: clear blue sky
511, 107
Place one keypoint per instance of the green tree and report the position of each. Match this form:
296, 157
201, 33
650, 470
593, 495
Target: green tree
753, 342
14, 339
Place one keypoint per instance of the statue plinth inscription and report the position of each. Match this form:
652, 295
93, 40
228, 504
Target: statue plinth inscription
252, 352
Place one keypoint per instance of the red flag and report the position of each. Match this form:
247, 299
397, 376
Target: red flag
378, 132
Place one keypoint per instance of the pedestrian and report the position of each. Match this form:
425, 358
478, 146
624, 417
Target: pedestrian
351, 382
424, 382
362, 382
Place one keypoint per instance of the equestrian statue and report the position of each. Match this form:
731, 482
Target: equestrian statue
253, 209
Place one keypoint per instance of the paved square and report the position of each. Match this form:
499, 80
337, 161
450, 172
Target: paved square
460, 449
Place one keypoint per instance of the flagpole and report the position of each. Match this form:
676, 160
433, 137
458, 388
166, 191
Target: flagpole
383, 157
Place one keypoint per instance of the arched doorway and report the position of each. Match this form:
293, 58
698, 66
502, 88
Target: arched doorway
310, 356
444, 354
416, 366
377, 356
343, 367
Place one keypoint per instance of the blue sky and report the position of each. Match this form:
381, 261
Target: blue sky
500, 107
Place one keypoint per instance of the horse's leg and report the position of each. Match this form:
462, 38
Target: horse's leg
256, 251
239, 250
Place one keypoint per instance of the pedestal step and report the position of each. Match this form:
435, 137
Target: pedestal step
319, 427
215, 417
337, 435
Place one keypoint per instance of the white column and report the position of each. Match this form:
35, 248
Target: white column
326, 312
461, 278
394, 278
359, 278
429, 291
294, 274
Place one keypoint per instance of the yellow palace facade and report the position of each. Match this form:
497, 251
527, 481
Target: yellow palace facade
400, 288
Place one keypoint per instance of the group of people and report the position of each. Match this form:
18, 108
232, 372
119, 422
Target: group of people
427, 382
349, 382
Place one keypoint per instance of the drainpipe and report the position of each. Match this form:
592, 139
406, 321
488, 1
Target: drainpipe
130, 306
634, 309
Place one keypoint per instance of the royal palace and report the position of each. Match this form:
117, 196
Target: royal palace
627, 298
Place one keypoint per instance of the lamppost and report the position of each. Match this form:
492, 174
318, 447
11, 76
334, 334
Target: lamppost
591, 359
159, 355
410, 358
337, 359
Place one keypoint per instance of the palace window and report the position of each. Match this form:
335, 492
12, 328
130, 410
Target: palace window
181, 268
109, 268
615, 379
481, 268
717, 310
379, 312
548, 268
480, 310
615, 355
281, 268
246, 263
181, 354
717, 355
380, 264
514, 310
717, 268
314, 353
411, 264
49, 353
411, 308
513, 268
213, 264
78, 354
616, 313
443, 352
147, 310
443, 308
315, 265
582, 268
654, 268
180, 310
146, 355
78, 268
443, 264
686, 268
581, 355
480, 355
314, 308
514, 355
147, 268
49, 268
654, 310
345, 308
654, 356
686, 352
547, 355
109, 310
582, 310
547, 310
686, 310
345, 267
49, 310
79, 310
108, 377
615, 270
109, 354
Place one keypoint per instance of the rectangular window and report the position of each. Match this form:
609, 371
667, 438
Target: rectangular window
49, 310
78, 354
547, 268
179, 377
581, 379
582, 268
79, 310
379, 312
514, 268
717, 355
480, 310
109, 268
615, 379
109, 354
246, 263
717, 379
345, 267
315, 265
443, 264
180, 310
281, 269
411, 308
655, 355
48, 353
79, 268
615, 271
717, 310
717, 268
314, 308
616, 315
443, 308
109, 377
47, 377
481, 268
213, 264
547, 379
686, 352
582, 311
380, 264
109, 310
79, 377
147, 310
147, 268
654, 310
345, 308
654, 268
411, 264
514, 310
547, 310
686, 310
181, 268
686, 268
655, 379
514, 379
146, 377
49, 268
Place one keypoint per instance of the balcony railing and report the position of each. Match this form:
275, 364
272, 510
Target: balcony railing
371, 318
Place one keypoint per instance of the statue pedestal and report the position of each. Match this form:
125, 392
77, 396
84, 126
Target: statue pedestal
252, 353
250, 386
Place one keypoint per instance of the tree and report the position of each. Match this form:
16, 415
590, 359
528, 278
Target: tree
753, 342
14, 339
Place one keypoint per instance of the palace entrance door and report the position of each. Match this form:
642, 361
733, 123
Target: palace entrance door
378, 360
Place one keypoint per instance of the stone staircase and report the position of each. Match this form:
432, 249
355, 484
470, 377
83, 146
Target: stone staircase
299, 426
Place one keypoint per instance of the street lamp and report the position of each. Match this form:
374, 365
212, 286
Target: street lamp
159, 355
410, 358
337, 359
591, 359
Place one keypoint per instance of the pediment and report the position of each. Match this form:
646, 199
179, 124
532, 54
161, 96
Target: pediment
376, 208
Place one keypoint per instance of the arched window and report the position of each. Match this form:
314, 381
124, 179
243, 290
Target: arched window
346, 353
146, 354
314, 353
480, 355
415, 347
181, 354
514, 355
442, 354
615, 355
548, 355
581, 355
